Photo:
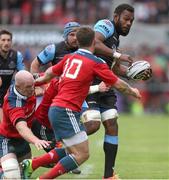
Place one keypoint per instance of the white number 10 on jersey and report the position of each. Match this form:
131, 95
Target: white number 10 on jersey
72, 70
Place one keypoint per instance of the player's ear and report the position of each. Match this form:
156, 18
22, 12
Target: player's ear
115, 17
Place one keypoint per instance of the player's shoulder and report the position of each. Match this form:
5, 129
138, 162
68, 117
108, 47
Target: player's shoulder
96, 59
50, 49
12, 98
100, 60
15, 53
89, 56
19, 55
106, 22
47, 54
104, 26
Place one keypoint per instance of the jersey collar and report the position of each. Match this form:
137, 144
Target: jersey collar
18, 94
85, 50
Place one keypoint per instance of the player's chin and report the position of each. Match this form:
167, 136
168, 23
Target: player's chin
74, 45
6, 49
125, 31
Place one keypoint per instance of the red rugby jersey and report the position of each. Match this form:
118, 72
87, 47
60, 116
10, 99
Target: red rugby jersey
15, 107
77, 72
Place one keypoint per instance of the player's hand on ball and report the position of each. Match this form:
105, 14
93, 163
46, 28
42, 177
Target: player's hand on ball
147, 74
126, 58
139, 70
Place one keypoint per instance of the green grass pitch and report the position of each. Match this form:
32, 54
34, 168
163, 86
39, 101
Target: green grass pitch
143, 150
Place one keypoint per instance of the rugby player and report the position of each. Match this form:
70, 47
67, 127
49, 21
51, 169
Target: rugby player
10, 62
64, 113
102, 106
15, 133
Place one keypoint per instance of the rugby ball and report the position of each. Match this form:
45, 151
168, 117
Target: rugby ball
137, 69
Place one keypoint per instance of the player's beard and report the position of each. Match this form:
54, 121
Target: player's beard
120, 30
72, 46
4, 51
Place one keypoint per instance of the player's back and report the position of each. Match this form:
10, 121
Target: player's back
79, 70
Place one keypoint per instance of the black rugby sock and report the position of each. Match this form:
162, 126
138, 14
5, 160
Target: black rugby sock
110, 151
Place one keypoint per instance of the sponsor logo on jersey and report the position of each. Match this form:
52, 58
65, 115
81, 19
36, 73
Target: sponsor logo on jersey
108, 23
49, 48
12, 64
27, 110
45, 53
104, 27
6, 72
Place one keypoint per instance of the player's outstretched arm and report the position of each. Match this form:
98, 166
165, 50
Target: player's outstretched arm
35, 66
48, 75
28, 135
102, 49
125, 88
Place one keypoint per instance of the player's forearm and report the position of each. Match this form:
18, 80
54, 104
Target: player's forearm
102, 49
48, 75
124, 88
35, 66
25, 132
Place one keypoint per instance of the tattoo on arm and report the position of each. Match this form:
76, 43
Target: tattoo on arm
124, 88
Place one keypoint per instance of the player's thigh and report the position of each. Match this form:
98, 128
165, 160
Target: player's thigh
20, 147
10, 166
109, 114
91, 114
91, 119
65, 122
93, 111
108, 107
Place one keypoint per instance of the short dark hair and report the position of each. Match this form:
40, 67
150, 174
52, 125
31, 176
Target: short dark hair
85, 36
4, 31
119, 9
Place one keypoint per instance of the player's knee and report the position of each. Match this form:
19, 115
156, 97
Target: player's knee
11, 169
92, 127
91, 115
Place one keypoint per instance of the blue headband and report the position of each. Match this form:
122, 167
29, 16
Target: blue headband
69, 27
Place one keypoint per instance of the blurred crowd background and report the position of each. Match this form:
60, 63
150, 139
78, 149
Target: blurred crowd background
85, 11
36, 23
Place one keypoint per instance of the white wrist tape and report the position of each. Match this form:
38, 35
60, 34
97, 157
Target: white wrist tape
116, 55
94, 89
